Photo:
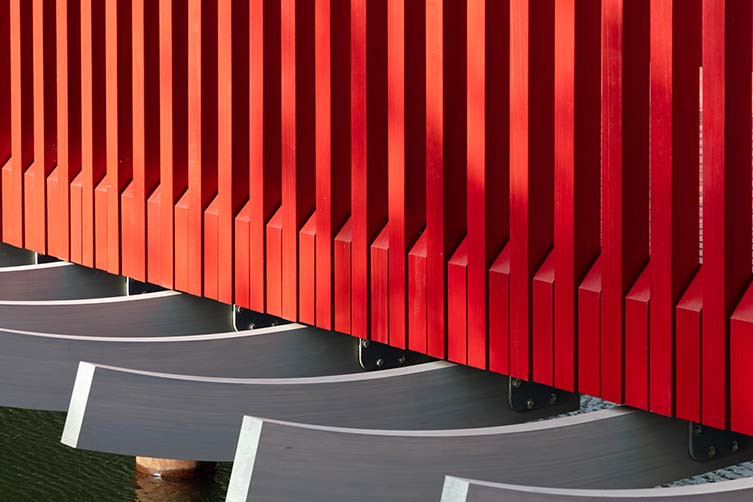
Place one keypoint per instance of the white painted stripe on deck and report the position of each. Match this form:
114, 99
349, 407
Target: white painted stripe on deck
40, 266
93, 301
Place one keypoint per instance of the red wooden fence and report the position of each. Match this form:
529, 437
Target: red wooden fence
507, 184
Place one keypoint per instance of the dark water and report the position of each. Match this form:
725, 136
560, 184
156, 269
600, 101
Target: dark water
35, 466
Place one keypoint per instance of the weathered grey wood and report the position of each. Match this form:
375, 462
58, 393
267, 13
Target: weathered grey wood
37, 371
57, 281
11, 256
467, 490
614, 448
153, 314
164, 416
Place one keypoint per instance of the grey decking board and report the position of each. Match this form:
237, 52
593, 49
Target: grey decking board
59, 283
477, 491
145, 415
634, 450
11, 256
148, 316
38, 372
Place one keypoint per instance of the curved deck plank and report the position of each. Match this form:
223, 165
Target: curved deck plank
173, 416
37, 371
57, 281
615, 448
469, 490
153, 314
11, 256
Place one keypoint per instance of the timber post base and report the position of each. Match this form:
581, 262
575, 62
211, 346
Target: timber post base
173, 469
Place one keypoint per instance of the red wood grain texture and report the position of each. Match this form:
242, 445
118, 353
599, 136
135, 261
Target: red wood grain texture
458, 305
119, 113
45, 126
5, 98
741, 371
22, 121
173, 133
488, 161
332, 61
689, 317
307, 272
145, 59
637, 311
531, 164
298, 139
342, 260
726, 190
590, 309
368, 114
211, 249
68, 67
577, 105
406, 122
379, 284
233, 133
625, 120
93, 129
418, 296
446, 158
542, 294
264, 144
675, 43
499, 313
274, 264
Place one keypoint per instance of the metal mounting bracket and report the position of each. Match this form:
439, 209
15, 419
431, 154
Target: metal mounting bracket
379, 356
528, 396
707, 443
244, 319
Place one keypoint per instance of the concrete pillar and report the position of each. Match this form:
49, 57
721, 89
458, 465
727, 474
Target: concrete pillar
173, 469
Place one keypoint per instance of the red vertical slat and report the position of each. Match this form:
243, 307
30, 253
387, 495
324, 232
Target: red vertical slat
689, 316
445, 156
342, 260
542, 326
119, 110
675, 42
264, 144
307, 272
531, 163
298, 139
93, 130
417, 306
146, 136
499, 313
577, 74
458, 305
68, 57
726, 190
173, 132
590, 310
274, 264
22, 121
45, 126
379, 286
368, 87
487, 86
625, 121
406, 155
741, 371
332, 144
5, 79
637, 307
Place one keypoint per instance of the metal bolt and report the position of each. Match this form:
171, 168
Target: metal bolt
530, 403
552, 398
712, 451
734, 446
401, 359
515, 383
697, 430
380, 362
237, 308
365, 344
251, 326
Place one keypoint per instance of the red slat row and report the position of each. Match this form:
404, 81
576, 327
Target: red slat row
508, 184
